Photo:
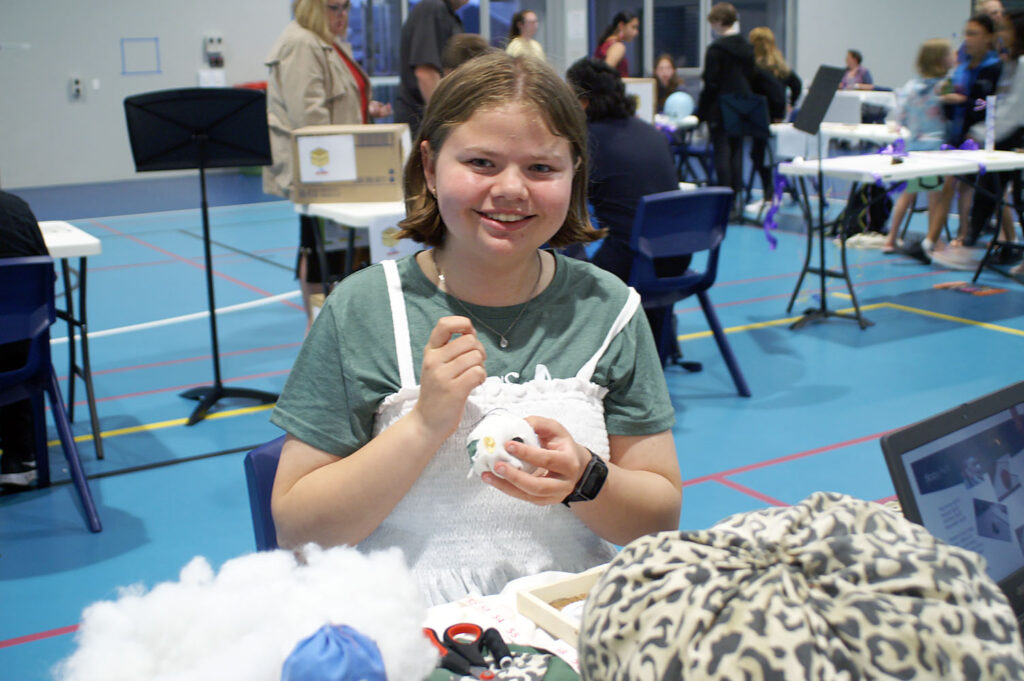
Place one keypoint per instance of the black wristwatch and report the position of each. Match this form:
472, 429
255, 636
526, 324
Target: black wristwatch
591, 482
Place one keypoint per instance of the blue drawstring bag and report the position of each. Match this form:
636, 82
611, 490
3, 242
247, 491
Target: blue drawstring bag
334, 653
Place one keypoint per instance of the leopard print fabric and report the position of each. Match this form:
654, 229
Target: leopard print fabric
831, 589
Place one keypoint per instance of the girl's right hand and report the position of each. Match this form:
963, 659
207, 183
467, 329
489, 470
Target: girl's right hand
452, 367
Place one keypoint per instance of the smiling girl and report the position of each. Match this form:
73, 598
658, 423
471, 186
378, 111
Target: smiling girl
408, 356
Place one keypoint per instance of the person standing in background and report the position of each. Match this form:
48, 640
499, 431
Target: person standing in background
728, 69
520, 35
611, 46
313, 80
773, 78
425, 33
19, 237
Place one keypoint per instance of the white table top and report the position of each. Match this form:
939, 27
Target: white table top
353, 214
64, 240
873, 167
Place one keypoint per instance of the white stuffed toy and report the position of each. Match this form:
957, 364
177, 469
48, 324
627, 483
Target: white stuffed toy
486, 443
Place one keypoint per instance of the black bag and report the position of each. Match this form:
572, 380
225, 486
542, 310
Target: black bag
867, 211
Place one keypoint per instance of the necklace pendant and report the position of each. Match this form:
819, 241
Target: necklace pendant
503, 343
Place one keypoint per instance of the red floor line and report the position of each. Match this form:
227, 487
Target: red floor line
219, 256
750, 492
891, 497
153, 365
254, 289
39, 636
782, 459
187, 386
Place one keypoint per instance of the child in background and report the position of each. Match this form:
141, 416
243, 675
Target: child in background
919, 110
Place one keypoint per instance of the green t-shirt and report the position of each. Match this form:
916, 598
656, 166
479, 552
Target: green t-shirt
348, 364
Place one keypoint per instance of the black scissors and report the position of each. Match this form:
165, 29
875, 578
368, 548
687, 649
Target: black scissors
463, 647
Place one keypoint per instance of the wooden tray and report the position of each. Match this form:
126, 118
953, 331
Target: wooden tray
535, 603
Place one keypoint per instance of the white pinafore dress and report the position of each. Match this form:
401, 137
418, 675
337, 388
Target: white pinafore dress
460, 535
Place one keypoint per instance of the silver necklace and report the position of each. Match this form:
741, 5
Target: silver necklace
502, 337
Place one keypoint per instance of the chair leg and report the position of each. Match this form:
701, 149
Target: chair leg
67, 441
723, 344
39, 438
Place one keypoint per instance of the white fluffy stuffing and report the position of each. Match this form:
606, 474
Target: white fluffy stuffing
243, 622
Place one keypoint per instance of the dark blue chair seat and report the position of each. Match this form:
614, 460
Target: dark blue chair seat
26, 312
674, 224
260, 469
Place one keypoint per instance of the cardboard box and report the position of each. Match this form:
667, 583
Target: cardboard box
349, 163
536, 603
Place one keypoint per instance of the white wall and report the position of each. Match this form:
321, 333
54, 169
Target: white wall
49, 139
887, 32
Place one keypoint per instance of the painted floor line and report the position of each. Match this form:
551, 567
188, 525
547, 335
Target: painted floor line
259, 302
171, 423
39, 636
863, 308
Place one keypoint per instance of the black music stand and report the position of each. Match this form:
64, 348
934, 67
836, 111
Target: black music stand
201, 128
812, 112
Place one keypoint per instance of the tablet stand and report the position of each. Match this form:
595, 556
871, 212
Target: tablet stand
812, 112
201, 128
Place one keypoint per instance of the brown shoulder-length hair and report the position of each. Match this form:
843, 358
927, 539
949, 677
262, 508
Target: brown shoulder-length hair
487, 82
766, 53
931, 58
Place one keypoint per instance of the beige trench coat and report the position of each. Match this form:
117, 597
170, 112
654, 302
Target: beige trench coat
308, 84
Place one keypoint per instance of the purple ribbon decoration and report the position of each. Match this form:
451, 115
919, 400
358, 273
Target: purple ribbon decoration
968, 145
979, 104
898, 148
769, 217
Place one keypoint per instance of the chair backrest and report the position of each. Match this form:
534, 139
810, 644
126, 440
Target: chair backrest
260, 468
673, 224
26, 297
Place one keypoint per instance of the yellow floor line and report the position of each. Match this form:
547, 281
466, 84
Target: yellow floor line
159, 425
863, 308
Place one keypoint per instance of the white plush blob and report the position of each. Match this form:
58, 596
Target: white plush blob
486, 443
241, 623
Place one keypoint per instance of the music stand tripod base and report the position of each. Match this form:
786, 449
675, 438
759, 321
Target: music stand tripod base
210, 394
818, 314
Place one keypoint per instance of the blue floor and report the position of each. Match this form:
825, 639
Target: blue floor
166, 492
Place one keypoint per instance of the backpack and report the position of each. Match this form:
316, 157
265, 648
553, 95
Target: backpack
867, 211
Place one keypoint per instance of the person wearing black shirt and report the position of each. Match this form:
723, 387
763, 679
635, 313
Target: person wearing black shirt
19, 237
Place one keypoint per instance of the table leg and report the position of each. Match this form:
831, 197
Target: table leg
86, 368
69, 308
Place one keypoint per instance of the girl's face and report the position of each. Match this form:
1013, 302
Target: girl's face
851, 63
664, 71
629, 30
528, 26
503, 183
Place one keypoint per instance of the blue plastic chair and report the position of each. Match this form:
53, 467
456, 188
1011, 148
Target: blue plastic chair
26, 313
672, 224
260, 469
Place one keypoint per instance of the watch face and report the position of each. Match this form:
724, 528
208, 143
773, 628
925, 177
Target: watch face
593, 477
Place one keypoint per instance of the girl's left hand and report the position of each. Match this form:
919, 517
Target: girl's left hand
560, 461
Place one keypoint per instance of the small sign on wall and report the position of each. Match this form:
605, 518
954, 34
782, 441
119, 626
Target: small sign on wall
646, 92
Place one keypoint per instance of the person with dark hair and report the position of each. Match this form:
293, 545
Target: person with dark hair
520, 35
728, 69
19, 237
426, 31
973, 80
409, 356
611, 46
461, 48
857, 77
629, 158
668, 81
